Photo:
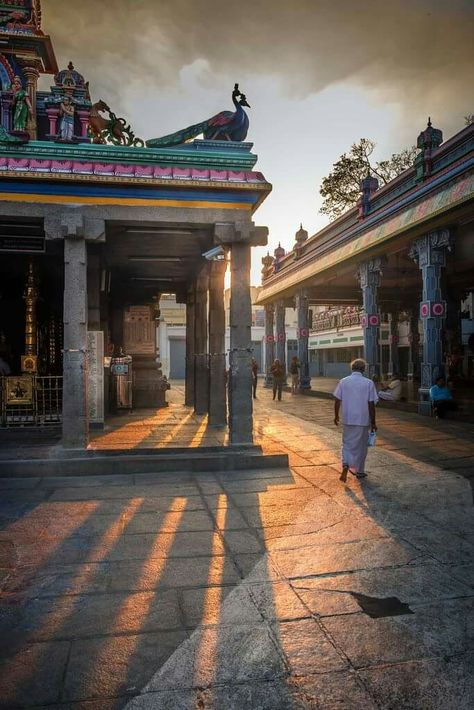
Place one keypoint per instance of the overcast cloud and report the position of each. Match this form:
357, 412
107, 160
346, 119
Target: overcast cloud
318, 74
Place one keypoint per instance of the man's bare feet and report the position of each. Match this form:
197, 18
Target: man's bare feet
343, 476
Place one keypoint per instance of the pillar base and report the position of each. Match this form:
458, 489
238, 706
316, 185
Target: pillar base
149, 387
424, 402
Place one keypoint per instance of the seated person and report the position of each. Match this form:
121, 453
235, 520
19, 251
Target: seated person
393, 391
442, 398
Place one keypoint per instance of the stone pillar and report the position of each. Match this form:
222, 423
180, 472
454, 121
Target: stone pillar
281, 333
303, 338
369, 278
75, 230
240, 237
393, 355
32, 75
84, 121
93, 291
53, 115
190, 325
6, 103
413, 351
75, 420
269, 342
429, 252
217, 378
240, 385
201, 357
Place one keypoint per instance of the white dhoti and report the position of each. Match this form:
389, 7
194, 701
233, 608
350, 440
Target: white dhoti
354, 446
388, 396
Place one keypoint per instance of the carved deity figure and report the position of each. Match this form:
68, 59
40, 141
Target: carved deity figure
66, 125
21, 105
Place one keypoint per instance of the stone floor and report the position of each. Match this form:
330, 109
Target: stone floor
266, 590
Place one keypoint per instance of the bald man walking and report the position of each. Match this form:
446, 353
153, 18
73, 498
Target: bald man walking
357, 396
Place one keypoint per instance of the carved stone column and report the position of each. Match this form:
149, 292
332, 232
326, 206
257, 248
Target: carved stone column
241, 407
201, 356
75, 419
369, 274
75, 230
413, 350
6, 102
303, 337
281, 333
83, 116
53, 115
190, 325
32, 75
217, 385
429, 252
393, 339
414, 340
240, 237
269, 342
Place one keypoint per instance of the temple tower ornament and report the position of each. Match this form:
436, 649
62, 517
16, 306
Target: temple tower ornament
428, 140
300, 237
279, 253
368, 186
267, 264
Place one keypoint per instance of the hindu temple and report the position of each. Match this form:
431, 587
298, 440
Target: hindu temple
95, 224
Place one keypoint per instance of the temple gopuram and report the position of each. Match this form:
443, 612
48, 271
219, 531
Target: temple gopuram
96, 224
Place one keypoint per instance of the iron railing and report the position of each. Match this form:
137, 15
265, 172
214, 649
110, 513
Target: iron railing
29, 400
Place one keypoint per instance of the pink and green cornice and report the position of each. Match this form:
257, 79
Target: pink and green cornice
199, 156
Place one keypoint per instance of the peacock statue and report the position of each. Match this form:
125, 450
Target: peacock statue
224, 126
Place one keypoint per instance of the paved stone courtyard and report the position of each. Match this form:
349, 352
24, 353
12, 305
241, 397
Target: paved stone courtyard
266, 590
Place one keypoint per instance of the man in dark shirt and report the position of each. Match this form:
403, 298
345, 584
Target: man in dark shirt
254, 377
278, 375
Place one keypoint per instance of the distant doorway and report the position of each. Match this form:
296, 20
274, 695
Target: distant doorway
177, 358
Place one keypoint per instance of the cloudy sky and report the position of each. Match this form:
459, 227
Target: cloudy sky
319, 74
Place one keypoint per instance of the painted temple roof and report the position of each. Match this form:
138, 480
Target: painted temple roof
402, 205
207, 171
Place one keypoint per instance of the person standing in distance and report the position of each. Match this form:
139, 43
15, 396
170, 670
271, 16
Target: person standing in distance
278, 375
254, 377
358, 397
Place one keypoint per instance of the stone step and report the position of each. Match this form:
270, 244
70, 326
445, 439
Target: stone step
140, 461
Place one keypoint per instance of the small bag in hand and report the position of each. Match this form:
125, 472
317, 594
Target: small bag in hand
372, 438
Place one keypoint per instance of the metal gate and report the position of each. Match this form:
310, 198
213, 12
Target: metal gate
28, 400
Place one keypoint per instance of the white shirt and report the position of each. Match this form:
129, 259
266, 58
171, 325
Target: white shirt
355, 392
396, 388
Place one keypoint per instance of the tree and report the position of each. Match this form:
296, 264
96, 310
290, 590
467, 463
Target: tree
341, 188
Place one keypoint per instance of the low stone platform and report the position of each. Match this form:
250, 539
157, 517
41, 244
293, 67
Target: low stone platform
127, 462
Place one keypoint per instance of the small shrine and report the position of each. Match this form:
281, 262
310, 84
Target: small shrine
95, 225
68, 107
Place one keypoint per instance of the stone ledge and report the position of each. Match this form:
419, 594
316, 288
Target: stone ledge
111, 463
